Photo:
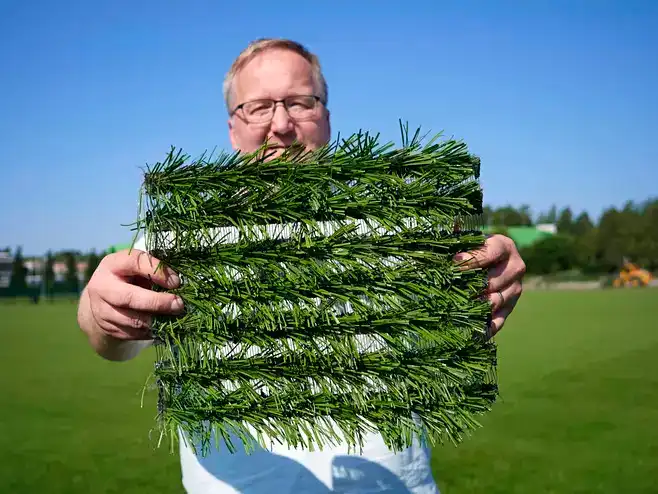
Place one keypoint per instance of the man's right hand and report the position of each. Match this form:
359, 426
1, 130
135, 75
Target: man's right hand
118, 304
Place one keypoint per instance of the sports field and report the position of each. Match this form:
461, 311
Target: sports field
578, 411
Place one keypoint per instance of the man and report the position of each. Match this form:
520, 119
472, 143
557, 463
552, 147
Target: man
274, 91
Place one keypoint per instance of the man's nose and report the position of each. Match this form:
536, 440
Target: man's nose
281, 121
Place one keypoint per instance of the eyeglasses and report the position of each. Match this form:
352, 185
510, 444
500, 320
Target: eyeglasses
261, 111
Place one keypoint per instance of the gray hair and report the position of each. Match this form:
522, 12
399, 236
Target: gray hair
263, 44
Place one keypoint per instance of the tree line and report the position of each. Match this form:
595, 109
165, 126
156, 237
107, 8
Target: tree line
582, 244
21, 274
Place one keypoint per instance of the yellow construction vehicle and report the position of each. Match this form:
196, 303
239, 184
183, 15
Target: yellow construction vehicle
632, 275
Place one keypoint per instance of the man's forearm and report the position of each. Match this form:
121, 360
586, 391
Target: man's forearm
106, 346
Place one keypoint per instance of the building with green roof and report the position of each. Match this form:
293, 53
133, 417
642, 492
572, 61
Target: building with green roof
524, 236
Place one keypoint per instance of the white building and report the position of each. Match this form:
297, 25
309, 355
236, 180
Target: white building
6, 265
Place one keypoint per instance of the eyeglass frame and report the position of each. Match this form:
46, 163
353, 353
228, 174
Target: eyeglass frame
276, 102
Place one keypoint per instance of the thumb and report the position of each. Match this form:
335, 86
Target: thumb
492, 252
142, 264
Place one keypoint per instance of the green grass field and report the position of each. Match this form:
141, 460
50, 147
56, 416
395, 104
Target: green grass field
578, 411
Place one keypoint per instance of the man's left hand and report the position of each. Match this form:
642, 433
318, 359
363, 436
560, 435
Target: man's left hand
501, 258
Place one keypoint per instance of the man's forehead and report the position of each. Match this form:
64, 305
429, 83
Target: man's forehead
273, 74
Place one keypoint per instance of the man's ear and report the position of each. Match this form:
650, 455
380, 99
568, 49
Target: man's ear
231, 133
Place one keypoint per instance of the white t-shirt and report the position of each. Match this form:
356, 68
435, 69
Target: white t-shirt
283, 470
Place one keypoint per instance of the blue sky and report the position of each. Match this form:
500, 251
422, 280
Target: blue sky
559, 98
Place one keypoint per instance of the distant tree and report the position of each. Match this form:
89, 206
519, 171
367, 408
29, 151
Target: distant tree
505, 216
18, 282
499, 230
526, 215
582, 225
510, 216
71, 278
621, 234
551, 254
62, 255
592, 247
565, 221
49, 274
92, 264
649, 243
638, 233
487, 215
589, 252
549, 217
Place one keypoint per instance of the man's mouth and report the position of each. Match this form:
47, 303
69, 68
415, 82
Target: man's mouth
290, 150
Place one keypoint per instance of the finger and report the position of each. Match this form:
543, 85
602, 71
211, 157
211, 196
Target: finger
505, 274
492, 252
141, 263
505, 297
498, 277
498, 319
141, 281
126, 324
127, 296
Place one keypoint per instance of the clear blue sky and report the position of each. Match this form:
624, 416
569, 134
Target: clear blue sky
560, 98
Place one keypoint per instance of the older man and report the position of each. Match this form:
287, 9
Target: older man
275, 91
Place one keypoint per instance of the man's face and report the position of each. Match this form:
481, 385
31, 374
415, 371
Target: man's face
277, 74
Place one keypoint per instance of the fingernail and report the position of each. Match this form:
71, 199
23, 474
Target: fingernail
174, 280
177, 304
460, 257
